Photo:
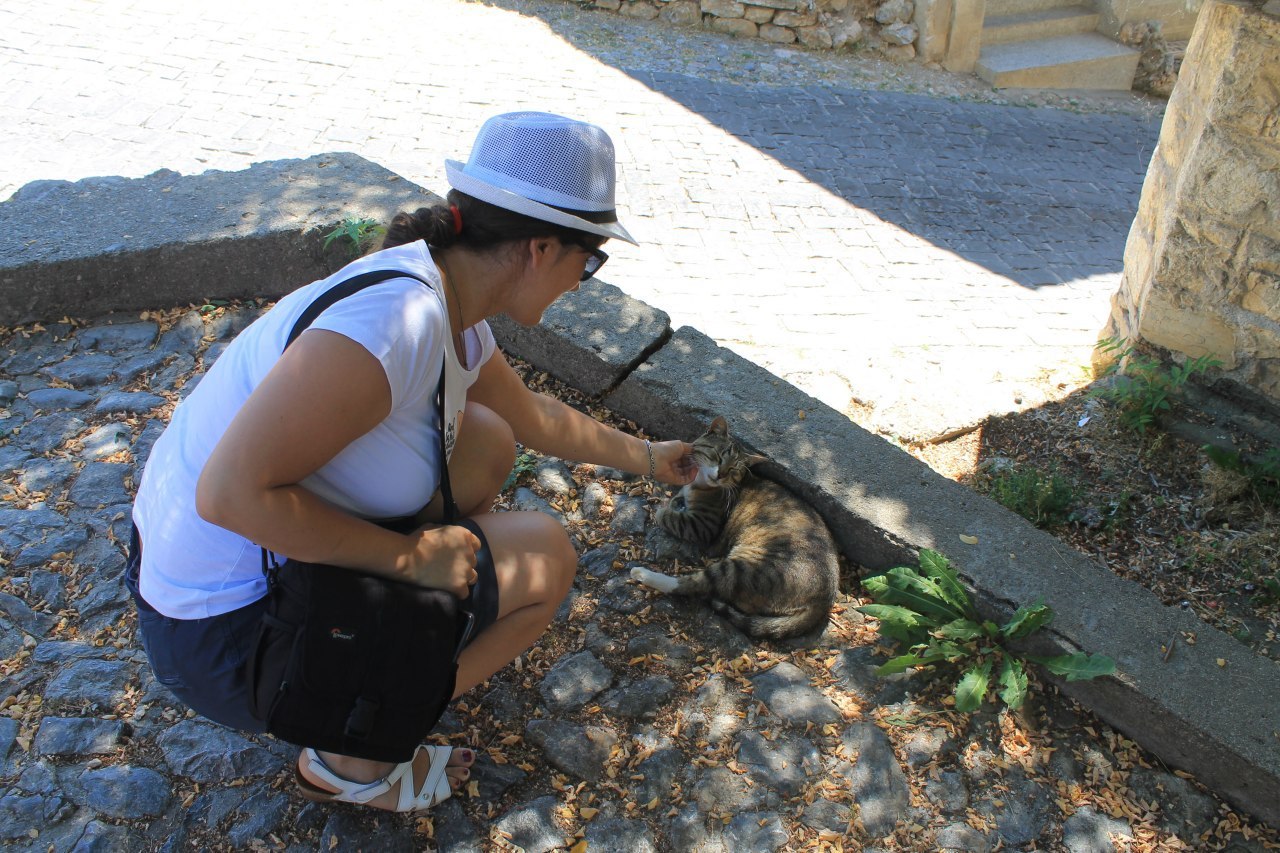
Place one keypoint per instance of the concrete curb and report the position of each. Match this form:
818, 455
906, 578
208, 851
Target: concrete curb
115, 244
1220, 722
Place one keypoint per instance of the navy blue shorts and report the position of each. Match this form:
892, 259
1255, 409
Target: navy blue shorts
202, 661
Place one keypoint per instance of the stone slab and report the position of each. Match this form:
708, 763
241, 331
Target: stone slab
1080, 61
590, 339
1219, 720
112, 243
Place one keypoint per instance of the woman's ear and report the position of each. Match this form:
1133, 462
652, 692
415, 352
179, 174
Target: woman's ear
540, 250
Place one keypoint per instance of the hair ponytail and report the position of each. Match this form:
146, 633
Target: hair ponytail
432, 224
484, 226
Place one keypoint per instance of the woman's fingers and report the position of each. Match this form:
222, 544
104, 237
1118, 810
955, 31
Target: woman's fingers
447, 558
677, 465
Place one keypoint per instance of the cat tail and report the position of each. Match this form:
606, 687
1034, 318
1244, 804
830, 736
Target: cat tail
771, 626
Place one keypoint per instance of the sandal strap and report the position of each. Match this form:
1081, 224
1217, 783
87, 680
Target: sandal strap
348, 791
435, 787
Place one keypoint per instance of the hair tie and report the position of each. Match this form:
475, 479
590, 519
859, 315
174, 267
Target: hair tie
457, 219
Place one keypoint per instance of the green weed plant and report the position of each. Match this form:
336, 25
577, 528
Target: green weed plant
358, 234
1044, 500
1144, 388
525, 463
928, 611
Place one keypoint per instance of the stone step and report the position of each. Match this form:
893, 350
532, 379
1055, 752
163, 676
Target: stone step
1043, 23
1002, 8
1083, 61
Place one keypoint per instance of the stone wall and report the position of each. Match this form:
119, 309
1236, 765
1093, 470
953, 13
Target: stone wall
886, 25
1202, 265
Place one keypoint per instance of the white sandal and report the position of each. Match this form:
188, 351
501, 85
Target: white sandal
435, 788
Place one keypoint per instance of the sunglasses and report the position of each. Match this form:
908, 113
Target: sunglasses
595, 260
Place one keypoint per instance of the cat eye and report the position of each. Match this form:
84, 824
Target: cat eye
595, 260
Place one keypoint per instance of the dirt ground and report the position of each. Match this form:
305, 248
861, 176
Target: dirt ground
1150, 506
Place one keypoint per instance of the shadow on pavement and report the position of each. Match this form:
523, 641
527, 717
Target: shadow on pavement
1040, 196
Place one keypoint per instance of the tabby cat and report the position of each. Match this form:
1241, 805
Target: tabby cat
777, 575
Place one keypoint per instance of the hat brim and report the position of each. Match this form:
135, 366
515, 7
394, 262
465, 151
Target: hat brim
507, 200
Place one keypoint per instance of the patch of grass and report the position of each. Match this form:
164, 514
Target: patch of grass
1142, 385
1044, 500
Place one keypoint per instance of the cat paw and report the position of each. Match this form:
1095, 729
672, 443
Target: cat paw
654, 580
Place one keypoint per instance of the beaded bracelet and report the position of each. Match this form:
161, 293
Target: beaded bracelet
649, 447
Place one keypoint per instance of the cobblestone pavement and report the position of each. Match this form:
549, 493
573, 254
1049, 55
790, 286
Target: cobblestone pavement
638, 722
915, 262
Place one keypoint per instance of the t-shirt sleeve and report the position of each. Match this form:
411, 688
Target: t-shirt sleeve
398, 322
487, 343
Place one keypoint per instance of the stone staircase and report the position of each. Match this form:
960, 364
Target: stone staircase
1050, 44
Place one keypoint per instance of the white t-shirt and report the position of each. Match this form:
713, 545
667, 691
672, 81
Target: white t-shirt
192, 569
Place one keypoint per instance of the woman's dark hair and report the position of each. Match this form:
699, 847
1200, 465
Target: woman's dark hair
484, 226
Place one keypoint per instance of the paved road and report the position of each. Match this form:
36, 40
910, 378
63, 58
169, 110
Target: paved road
914, 262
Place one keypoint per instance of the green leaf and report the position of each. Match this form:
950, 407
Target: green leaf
1013, 682
907, 637
1027, 620
1077, 667
960, 629
897, 614
900, 623
877, 586
902, 663
972, 688
333, 235
907, 588
936, 566
950, 651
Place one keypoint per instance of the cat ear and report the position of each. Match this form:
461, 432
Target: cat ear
755, 459
719, 426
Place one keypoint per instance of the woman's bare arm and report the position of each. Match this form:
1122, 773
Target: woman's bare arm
549, 426
324, 393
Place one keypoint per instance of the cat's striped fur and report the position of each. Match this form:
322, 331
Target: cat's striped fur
777, 574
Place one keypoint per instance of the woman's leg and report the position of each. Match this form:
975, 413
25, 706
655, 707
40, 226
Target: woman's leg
482, 458
534, 563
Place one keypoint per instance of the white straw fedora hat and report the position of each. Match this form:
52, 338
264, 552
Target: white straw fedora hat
545, 166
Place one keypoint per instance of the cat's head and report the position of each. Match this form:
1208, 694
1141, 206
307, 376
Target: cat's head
722, 461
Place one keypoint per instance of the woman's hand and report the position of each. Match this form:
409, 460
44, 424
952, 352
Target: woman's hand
673, 462
444, 558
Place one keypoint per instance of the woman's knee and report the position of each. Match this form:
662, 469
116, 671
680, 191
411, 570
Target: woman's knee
486, 449
534, 558
558, 557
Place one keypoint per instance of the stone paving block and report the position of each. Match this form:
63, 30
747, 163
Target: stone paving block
882, 505
112, 243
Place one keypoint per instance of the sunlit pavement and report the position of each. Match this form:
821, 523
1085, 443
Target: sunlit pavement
915, 263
